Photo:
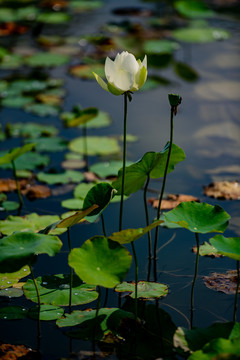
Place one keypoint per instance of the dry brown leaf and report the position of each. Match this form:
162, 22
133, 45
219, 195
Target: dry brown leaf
228, 190
172, 201
14, 352
12, 28
90, 176
37, 192
7, 185
226, 283
73, 164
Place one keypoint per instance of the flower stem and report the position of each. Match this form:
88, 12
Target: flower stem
236, 294
147, 223
162, 191
71, 274
39, 306
17, 184
194, 280
136, 279
124, 158
103, 225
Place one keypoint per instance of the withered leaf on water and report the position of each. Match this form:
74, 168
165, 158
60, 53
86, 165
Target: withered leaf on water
226, 283
14, 352
38, 192
228, 190
7, 185
172, 201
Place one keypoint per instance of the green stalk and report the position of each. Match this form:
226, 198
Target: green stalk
147, 223
85, 148
96, 316
71, 274
103, 226
39, 305
17, 184
136, 279
236, 294
124, 158
194, 280
162, 191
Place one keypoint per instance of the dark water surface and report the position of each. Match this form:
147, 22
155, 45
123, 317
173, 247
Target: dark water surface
206, 128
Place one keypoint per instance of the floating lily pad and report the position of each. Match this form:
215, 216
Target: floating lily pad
13, 313
47, 312
42, 109
146, 290
11, 292
79, 117
72, 204
200, 35
96, 145
185, 71
102, 119
82, 189
11, 61
105, 169
100, 194
129, 235
20, 249
17, 102
101, 261
8, 279
193, 9
160, 46
85, 71
29, 86
198, 217
229, 247
30, 222
55, 290
107, 321
50, 144
10, 205
152, 164
85, 5
31, 130
207, 249
53, 18
63, 178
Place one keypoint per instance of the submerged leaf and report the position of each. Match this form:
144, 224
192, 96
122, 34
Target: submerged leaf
225, 283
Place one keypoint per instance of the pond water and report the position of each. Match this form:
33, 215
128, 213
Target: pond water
206, 127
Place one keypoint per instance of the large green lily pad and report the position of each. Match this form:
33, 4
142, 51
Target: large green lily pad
47, 59
200, 35
105, 169
198, 217
53, 18
129, 235
50, 144
20, 249
160, 46
30, 222
107, 321
55, 290
31, 130
101, 261
96, 145
9, 279
152, 164
193, 9
47, 312
229, 247
145, 289
82, 189
72, 204
69, 176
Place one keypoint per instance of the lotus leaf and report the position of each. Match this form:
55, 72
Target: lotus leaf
229, 247
55, 290
101, 261
96, 145
146, 290
8, 279
20, 249
69, 176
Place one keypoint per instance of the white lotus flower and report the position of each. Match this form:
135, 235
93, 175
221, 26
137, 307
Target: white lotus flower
123, 74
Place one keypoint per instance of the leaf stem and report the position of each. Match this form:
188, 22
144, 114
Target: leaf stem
103, 225
194, 280
17, 183
124, 158
236, 294
162, 191
71, 273
147, 223
39, 306
136, 279
85, 148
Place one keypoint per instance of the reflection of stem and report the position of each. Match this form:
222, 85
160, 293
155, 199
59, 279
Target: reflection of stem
236, 294
124, 159
162, 191
85, 148
39, 305
17, 184
103, 226
194, 279
71, 273
149, 232
136, 278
